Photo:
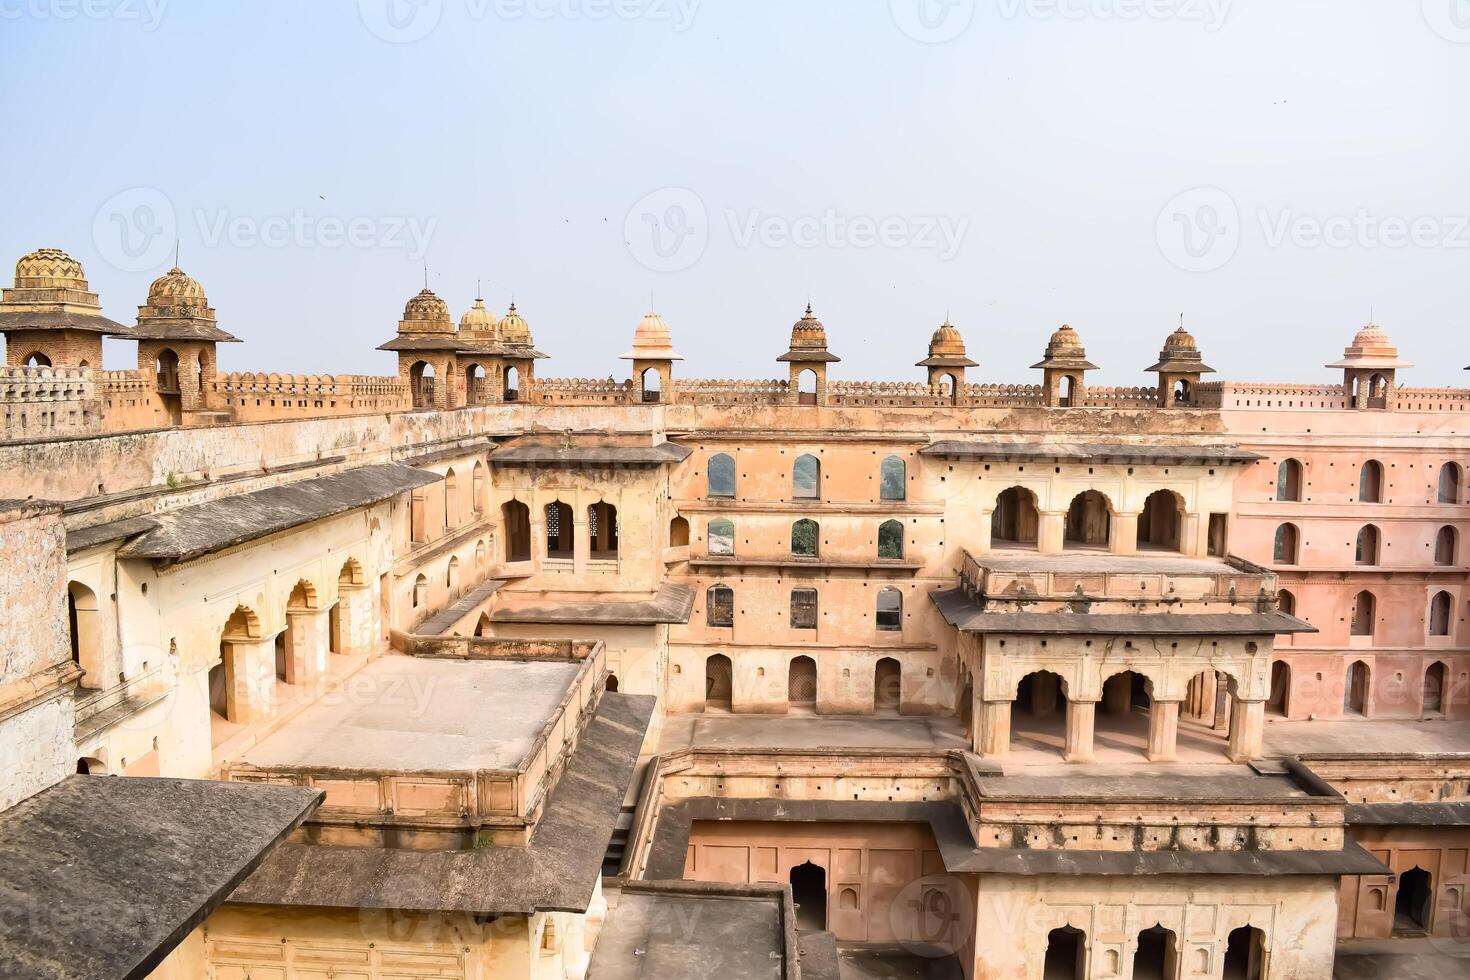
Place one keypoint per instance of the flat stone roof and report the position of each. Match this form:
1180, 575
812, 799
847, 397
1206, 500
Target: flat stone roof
672, 604
584, 455
648, 936
557, 871
1089, 451
101, 877
1363, 738
964, 613
413, 715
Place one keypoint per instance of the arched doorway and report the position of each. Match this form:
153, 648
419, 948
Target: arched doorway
809, 894
1355, 694
807, 387
166, 376
559, 527
515, 522
1154, 956
1413, 905
1121, 715
86, 634
512, 389
1245, 954
1089, 521
1066, 955
887, 687
651, 383
1039, 713
1279, 702
1434, 684
679, 533
482, 628
1160, 523
717, 683
602, 530
1015, 522
801, 683
421, 384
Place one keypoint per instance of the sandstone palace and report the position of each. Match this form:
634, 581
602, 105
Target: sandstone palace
470, 672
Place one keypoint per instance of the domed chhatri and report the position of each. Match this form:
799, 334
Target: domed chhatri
1369, 367
514, 329
947, 348
808, 340
1064, 367
1179, 368
49, 268
425, 312
478, 324
651, 341
50, 316
177, 309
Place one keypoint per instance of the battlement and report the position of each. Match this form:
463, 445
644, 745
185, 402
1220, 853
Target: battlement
46, 402
249, 396
1272, 395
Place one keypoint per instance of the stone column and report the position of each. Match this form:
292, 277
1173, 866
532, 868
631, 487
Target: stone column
581, 539
993, 730
981, 531
1163, 731
251, 673
1081, 717
1247, 729
1222, 704
307, 645
1191, 542
1051, 532
355, 618
1123, 538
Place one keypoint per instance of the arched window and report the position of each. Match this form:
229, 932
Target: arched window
887, 685
1286, 602
515, 522
1069, 391
718, 682
86, 634
451, 499
560, 530
1285, 551
480, 553
1159, 524
1016, 519
803, 609
890, 540
1245, 954
1370, 482
1445, 545
719, 605
651, 383
167, 368
451, 574
1364, 606
806, 478
1279, 702
721, 535
36, 360
806, 387
1066, 954
512, 390
418, 516
1089, 521
474, 381
804, 536
892, 479
1367, 549
1289, 480
890, 610
679, 532
801, 681
1439, 614
602, 529
421, 384
1355, 689
420, 592
1449, 483
721, 475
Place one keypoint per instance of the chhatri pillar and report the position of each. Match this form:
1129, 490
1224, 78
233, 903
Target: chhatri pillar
653, 358
1179, 368
808, 352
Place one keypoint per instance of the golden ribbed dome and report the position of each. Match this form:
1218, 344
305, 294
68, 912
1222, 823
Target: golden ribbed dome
514, 329
808, 333
49, 268
1180, 340
1065, 340
425, 305
947, 342
1181, 355
1371, 336
175, 288
477, 317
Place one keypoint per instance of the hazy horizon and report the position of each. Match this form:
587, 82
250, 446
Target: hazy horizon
1272, 171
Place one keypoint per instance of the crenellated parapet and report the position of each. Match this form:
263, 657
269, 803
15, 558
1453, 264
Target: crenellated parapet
248, 395
728, 391
44, 402
580, 391
1271, 395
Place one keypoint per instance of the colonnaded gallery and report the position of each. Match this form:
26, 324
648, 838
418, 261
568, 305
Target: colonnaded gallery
469, 672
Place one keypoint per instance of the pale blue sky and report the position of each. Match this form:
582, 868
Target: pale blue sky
1024, 173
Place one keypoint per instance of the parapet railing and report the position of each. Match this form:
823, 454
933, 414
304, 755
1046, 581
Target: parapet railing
310, 385
579, 391
46, 384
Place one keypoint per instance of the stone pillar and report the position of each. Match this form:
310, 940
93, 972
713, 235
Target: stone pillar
1051, 532
1191, 542
355, 619
1163, 731
993, 730
1222, 704
1247, 729
581, 539
1081, 718
250, 671
307, 644
983, 542
1044, 691
1123, 539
